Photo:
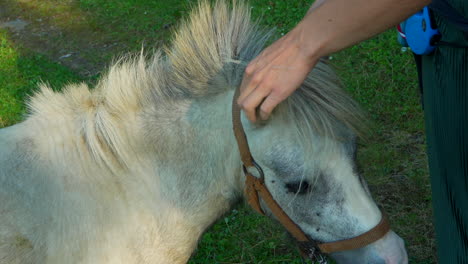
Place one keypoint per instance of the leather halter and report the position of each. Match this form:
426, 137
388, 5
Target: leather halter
255, 187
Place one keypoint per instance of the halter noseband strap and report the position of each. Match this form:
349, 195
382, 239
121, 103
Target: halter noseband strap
255, 187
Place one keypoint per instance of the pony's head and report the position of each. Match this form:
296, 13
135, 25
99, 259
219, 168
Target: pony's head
307, 151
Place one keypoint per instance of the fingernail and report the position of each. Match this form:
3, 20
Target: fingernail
263, 115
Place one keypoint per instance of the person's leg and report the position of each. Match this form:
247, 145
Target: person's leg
445, 82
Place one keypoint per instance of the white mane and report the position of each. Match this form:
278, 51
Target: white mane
208, 55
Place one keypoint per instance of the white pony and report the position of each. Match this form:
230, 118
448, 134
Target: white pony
135, 170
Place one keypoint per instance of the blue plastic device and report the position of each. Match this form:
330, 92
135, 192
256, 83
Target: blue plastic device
421, 33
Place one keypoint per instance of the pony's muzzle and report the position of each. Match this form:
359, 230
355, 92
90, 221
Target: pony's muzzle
390, 249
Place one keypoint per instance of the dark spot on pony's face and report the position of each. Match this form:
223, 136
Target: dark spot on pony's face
298, 187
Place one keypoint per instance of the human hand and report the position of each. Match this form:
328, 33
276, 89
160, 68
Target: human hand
330, 26
272, 76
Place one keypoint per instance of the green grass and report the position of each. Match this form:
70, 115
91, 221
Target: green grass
244, 237
282, 15
19, 77
376, 73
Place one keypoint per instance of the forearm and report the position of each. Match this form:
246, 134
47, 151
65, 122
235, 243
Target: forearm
332, 25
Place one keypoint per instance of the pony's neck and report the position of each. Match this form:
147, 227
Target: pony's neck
197, 145
198, 165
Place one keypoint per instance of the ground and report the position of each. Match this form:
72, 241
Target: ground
74, 40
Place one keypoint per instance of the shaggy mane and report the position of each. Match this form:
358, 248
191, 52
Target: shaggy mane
214, 45
208, 55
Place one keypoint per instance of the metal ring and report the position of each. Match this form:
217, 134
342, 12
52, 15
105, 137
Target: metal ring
260, 175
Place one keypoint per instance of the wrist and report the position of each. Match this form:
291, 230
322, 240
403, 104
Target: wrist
313, 43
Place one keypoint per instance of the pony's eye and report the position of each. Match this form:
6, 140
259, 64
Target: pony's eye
299, 187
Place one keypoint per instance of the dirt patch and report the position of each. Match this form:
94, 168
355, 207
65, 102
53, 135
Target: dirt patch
87, 37
78, 50
16, 25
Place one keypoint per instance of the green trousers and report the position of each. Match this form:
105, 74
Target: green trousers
445, 97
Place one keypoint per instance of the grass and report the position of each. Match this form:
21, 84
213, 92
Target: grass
20, 76
376, 73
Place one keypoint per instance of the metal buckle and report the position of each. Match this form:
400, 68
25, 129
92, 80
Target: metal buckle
321, 259
258, 173
315, 256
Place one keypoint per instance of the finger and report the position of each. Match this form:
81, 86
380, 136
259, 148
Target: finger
251, 103
270, 102
255, 70
244, 90
249, 84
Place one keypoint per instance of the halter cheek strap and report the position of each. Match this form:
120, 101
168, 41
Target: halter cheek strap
255, 187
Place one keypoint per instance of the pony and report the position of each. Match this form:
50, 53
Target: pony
136, 169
